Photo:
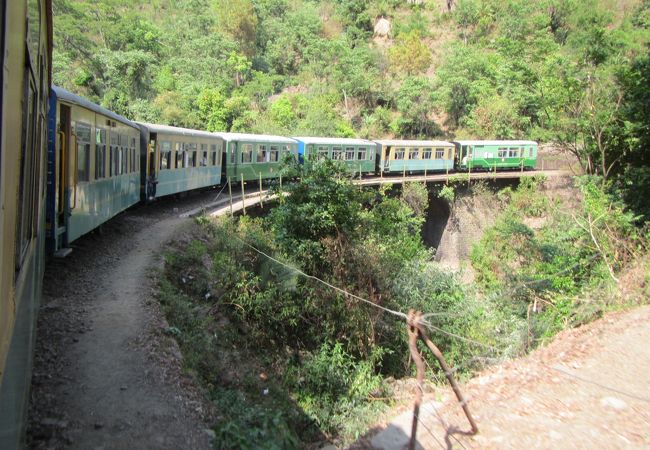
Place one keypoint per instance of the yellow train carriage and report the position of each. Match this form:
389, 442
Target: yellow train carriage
26, 40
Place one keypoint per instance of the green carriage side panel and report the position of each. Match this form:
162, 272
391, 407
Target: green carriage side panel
496, 155
357, 154
254, 157
172, 181
99, 200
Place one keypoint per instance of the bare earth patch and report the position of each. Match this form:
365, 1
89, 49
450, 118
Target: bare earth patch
587, 389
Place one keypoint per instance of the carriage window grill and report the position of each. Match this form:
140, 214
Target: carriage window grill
337, 153
349, 153
399, 153
274, 154
440, 153
247, 153
362, 153
100, 154
426, 154
414, 153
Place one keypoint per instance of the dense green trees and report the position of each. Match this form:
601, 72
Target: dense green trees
564, 71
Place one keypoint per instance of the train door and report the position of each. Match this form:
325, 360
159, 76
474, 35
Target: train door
387, 158
64, 171
153, 165
234, 160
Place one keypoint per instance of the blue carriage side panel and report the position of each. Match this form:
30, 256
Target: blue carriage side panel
50, 211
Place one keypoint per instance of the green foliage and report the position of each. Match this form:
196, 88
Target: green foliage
410, 55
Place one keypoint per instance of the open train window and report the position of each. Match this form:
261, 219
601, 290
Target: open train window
274, 154
83, 131
399, 153
261, 154
349, 153
513, 152
440, 153
414, 153
337, 153
361, 155
323, 153
247, 153
100, 153
426, 154
165, 155
213, 149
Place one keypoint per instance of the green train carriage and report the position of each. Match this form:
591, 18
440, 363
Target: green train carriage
357, 154
254, 157
496, 155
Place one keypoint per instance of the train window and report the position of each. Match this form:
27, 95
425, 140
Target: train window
349, 153
440, 153
82, 131
165, 155
323, 153
261, 154
100, 153
399, 153
361, 154
274, 154
337, 153
414, 153
513, 152
427, 152
530, 152
213, 149
247, 153
502, 153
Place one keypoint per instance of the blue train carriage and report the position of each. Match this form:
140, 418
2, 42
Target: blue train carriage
178, 160
357, 154
93, 167
255, 156
413, 156
26, 49
496, 155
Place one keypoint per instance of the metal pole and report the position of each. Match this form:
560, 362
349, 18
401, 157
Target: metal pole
425, 174
261, 201
243, 198
230, 194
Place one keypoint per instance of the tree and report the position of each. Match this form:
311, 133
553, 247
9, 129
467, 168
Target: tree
415, 103
410, 55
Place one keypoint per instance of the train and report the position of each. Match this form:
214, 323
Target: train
26, 41
68, 165
100, 163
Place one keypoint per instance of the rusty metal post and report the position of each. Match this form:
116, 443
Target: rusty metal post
448, 374
230, 194
243, 195
414, 318
261, 201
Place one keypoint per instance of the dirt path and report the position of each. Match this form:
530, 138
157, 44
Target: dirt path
589, 389
105, 374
